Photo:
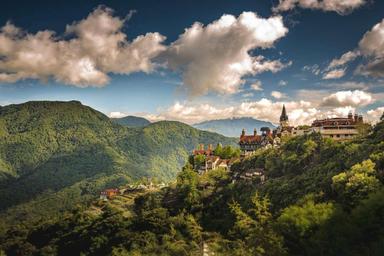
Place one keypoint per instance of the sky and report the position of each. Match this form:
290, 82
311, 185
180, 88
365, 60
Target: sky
193, 61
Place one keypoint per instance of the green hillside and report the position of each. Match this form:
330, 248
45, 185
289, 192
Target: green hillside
131, 121
320, 197
54, 155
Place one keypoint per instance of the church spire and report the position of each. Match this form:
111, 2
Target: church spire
283, 116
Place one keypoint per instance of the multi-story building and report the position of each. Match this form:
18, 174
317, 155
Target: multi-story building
340, 128
250, 143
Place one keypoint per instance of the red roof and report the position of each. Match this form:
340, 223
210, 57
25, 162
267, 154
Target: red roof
202, 152
250, 138
333, 122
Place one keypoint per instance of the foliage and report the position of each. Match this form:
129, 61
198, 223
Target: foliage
252, 232
320, 197
131, 121
356, 183
226, 152
300, 221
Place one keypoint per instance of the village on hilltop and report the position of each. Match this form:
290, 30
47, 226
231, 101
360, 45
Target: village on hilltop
338, 129
205, 159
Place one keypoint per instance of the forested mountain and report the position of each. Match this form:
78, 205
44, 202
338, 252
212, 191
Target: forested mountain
320, 197
132, 121
54, 155
232, 127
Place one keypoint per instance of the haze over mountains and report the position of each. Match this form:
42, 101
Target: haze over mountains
232, 127
54, 155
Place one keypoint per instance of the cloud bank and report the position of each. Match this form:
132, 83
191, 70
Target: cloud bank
264, 109
348, 98
211, 58
342, 7
95, 48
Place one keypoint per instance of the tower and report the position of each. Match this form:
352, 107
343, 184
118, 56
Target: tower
284, 118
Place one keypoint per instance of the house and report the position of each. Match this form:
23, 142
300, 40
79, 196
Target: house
223, 163
108, 193
211, 162
250, 175
250, 143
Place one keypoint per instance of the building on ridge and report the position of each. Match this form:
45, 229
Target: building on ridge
202, 151
284, 129
250, 143
339, 128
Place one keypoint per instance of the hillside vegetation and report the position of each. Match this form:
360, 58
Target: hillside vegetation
320, 198
131, 121
54, 155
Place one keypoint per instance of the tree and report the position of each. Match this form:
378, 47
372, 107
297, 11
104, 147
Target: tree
198, 161
187, 181
253, 232
299, 222
355, 184
218, 150
382, 117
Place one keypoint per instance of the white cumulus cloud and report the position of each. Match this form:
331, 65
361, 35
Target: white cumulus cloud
372, 47
278, 95
344, 59
215, 57
348, 98
95, 47
342, 7
334, 74
375, 114
257, 86
117, 114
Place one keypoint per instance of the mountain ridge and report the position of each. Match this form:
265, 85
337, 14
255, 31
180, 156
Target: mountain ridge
232, 127
70, 150
132, 121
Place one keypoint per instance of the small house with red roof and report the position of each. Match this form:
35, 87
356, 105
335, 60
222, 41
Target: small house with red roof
108, 193
202, 151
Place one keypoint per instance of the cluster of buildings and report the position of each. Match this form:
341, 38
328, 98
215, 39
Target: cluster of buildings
110, 193
211, 161
340, 128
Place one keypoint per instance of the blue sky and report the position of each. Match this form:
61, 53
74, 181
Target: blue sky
166, 84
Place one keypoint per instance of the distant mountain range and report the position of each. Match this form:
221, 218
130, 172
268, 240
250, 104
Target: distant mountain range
232, 127
131, 121
54, 155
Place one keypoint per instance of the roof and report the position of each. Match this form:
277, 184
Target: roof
212, 158
283, 116
334, 122
223, 161
202, 152
250, 138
